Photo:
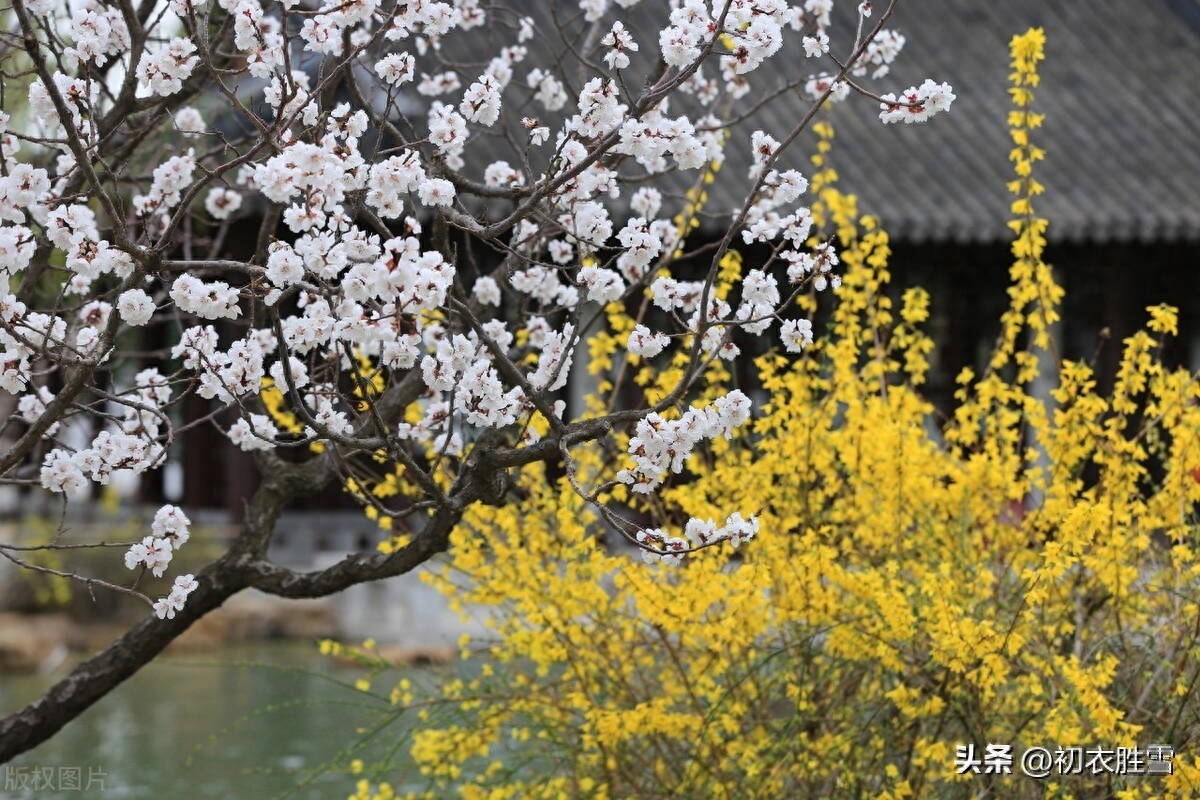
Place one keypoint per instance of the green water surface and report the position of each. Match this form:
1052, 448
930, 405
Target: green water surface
243, 723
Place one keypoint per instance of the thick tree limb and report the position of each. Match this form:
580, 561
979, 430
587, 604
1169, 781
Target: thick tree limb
357, 568
220, 580
100, 674
244, 566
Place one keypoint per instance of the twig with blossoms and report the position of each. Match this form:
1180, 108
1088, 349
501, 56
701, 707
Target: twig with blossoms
435, 232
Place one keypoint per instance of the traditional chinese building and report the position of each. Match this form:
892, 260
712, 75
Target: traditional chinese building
1119, 92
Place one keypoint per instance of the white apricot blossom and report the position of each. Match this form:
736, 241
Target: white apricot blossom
367, 245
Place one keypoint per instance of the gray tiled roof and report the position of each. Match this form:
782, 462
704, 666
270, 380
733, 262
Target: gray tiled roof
1121, 93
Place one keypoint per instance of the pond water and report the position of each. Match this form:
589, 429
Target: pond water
244, 723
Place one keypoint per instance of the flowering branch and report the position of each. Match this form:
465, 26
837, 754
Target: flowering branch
364, 236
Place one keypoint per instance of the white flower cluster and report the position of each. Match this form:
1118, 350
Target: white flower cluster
754, 315
169, 532
760, 297
258, 36
429, 17
797, 334
646, 343
603, 285
481, 103
24, 186
166, 607
765, 223
554, 362
92, 319
917, 103
486, 291
600, 109
31, 406
881, 52
17, 245
211, 300
818, 85
816, 46
170, 179
621, 43
133, 445
322, 173
221, 203
500, 174
439, 83
81, 97
88, 259
691, 27
459, 363
163, 72
99, 32
543, 285
663, 445
69, 226
326, 31
257, 433
391, 179
672, 295
396, 68
224, 374
549, 90
110, 451
190, 122
756, 28
15, 352
448, 133
641, 241
658, 545
650, 138
403, 278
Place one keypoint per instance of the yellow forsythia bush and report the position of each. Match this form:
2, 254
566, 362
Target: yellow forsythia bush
1027, 575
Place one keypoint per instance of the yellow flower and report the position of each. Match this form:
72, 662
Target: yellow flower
1021, 573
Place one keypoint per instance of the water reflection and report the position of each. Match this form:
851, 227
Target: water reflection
254, 722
